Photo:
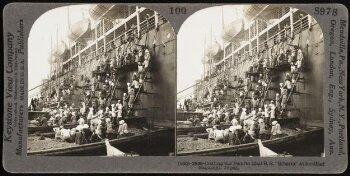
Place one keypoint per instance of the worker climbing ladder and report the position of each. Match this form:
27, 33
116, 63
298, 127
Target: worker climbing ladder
138, 93
283, 107
265, 92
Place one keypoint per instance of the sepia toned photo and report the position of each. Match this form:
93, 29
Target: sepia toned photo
175, 87
250, 83
101, 80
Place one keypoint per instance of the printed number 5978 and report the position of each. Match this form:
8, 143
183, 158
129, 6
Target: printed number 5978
326, 11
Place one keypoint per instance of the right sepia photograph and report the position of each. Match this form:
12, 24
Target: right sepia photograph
250, 83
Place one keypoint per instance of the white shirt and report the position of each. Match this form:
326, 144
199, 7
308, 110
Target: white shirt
219, 134
288, 84
135, 84
243, 115
234, 122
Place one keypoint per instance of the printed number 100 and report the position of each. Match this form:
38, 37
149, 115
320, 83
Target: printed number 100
178, 10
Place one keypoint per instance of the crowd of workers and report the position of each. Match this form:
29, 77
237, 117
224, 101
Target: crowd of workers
250, 110
100, 110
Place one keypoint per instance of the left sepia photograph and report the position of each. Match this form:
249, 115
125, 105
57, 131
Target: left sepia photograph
101, 82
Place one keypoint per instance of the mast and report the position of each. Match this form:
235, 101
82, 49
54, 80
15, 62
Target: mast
210, 59
223, 28
57, 45
68, 21
222, 18
50, 74
205, 62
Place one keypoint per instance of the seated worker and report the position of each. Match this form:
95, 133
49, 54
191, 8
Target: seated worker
84, 135
211, 135
81, 124
43, 121
123, 128
51, 121
196, 121
102, 128
205, 121
247, 138
254, 130
190, 119
232, 138
218, 135
262, 129
216, 121
275, 130
62, 120
35, 121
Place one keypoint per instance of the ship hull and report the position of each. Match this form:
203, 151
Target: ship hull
236, 149
100, 147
